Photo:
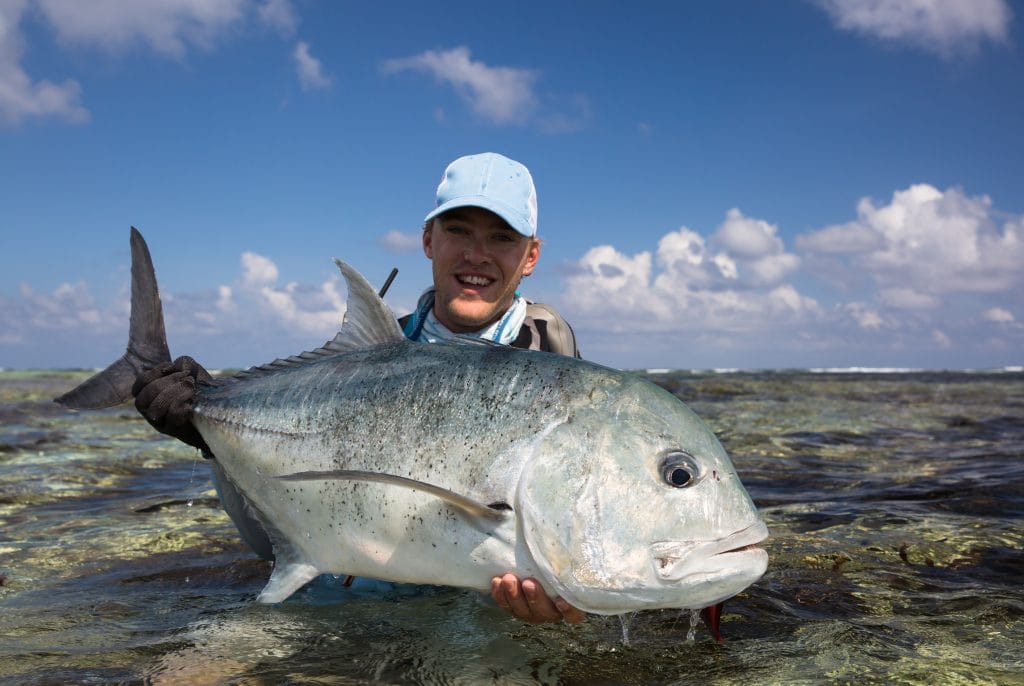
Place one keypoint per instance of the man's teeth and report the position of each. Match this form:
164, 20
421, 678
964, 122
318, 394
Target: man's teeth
475, 280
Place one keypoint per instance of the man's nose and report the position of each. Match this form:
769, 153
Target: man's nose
476, 252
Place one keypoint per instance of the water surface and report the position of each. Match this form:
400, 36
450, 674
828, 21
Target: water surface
895, 503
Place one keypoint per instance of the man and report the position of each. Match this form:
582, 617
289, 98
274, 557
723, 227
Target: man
481, 238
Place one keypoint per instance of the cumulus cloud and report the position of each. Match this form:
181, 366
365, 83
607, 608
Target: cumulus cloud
925, 264
167, 27
70, 306
311, 72
746, 237
927, 242
257, 270
687, 285
256, 305
919, 267
503, 95
945, 27
20, 97
255, 302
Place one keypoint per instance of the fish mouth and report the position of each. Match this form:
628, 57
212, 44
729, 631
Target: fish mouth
735, 554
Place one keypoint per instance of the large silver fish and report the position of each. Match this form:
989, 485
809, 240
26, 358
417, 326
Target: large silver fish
449, 464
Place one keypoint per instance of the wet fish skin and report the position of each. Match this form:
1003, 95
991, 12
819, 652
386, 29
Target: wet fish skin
500, 459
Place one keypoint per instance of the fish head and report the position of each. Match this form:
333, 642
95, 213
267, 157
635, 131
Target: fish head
632, 503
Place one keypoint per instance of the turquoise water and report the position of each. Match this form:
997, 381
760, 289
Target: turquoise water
895, 503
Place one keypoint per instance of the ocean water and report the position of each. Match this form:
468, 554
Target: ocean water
895, 503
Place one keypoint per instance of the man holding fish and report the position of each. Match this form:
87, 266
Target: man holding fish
481, 240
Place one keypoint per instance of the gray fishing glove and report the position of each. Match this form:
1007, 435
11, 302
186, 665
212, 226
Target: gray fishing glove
164, 396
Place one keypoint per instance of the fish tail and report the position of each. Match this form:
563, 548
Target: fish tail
147, 341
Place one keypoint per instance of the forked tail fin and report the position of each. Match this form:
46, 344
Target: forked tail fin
147, 341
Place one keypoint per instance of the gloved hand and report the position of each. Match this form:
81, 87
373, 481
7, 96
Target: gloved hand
164, 396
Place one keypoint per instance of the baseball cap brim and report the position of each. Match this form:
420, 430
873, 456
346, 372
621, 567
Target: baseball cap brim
510, 216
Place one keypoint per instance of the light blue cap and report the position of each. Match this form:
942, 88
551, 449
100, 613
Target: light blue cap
493, 182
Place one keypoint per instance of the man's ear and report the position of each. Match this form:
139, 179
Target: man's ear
532, 255
428, 232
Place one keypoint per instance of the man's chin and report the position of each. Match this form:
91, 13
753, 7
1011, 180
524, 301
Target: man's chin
463, 317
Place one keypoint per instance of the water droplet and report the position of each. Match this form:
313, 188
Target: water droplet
691, 633
626, 619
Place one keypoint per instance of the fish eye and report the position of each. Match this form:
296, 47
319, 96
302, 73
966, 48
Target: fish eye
679, 469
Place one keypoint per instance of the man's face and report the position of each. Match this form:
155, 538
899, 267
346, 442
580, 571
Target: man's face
478, 261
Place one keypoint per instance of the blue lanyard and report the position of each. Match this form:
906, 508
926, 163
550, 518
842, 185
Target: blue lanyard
414, 326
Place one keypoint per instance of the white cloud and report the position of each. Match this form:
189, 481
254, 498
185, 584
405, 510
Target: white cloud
20, 98
929, 242
755, 247
865, 316
165, 26
401, 242
919, 265
256, 306
303, 309
940, 26
908, 299
311, 73
257, 270
929, 261
843, 239
747, 238
685, 286
999, 315
225, 300
503, 95
279, 15
69, 306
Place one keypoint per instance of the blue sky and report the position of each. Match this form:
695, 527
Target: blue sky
802, 183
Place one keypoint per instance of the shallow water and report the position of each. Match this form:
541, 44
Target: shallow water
895, 503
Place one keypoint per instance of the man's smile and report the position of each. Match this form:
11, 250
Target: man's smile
474, 280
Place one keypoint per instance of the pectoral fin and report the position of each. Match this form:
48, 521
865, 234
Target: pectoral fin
494, 512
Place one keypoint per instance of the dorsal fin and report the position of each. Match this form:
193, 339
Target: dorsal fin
368, 323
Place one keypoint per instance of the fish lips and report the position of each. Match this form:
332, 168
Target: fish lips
675, 561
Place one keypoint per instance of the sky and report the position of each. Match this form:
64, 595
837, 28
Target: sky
755, 185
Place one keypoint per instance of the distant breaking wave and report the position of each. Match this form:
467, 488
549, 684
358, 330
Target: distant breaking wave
657, 371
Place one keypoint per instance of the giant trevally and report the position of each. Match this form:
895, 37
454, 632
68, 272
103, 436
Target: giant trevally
449, 464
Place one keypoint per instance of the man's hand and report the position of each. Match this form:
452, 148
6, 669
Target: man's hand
527, 601
164, 396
